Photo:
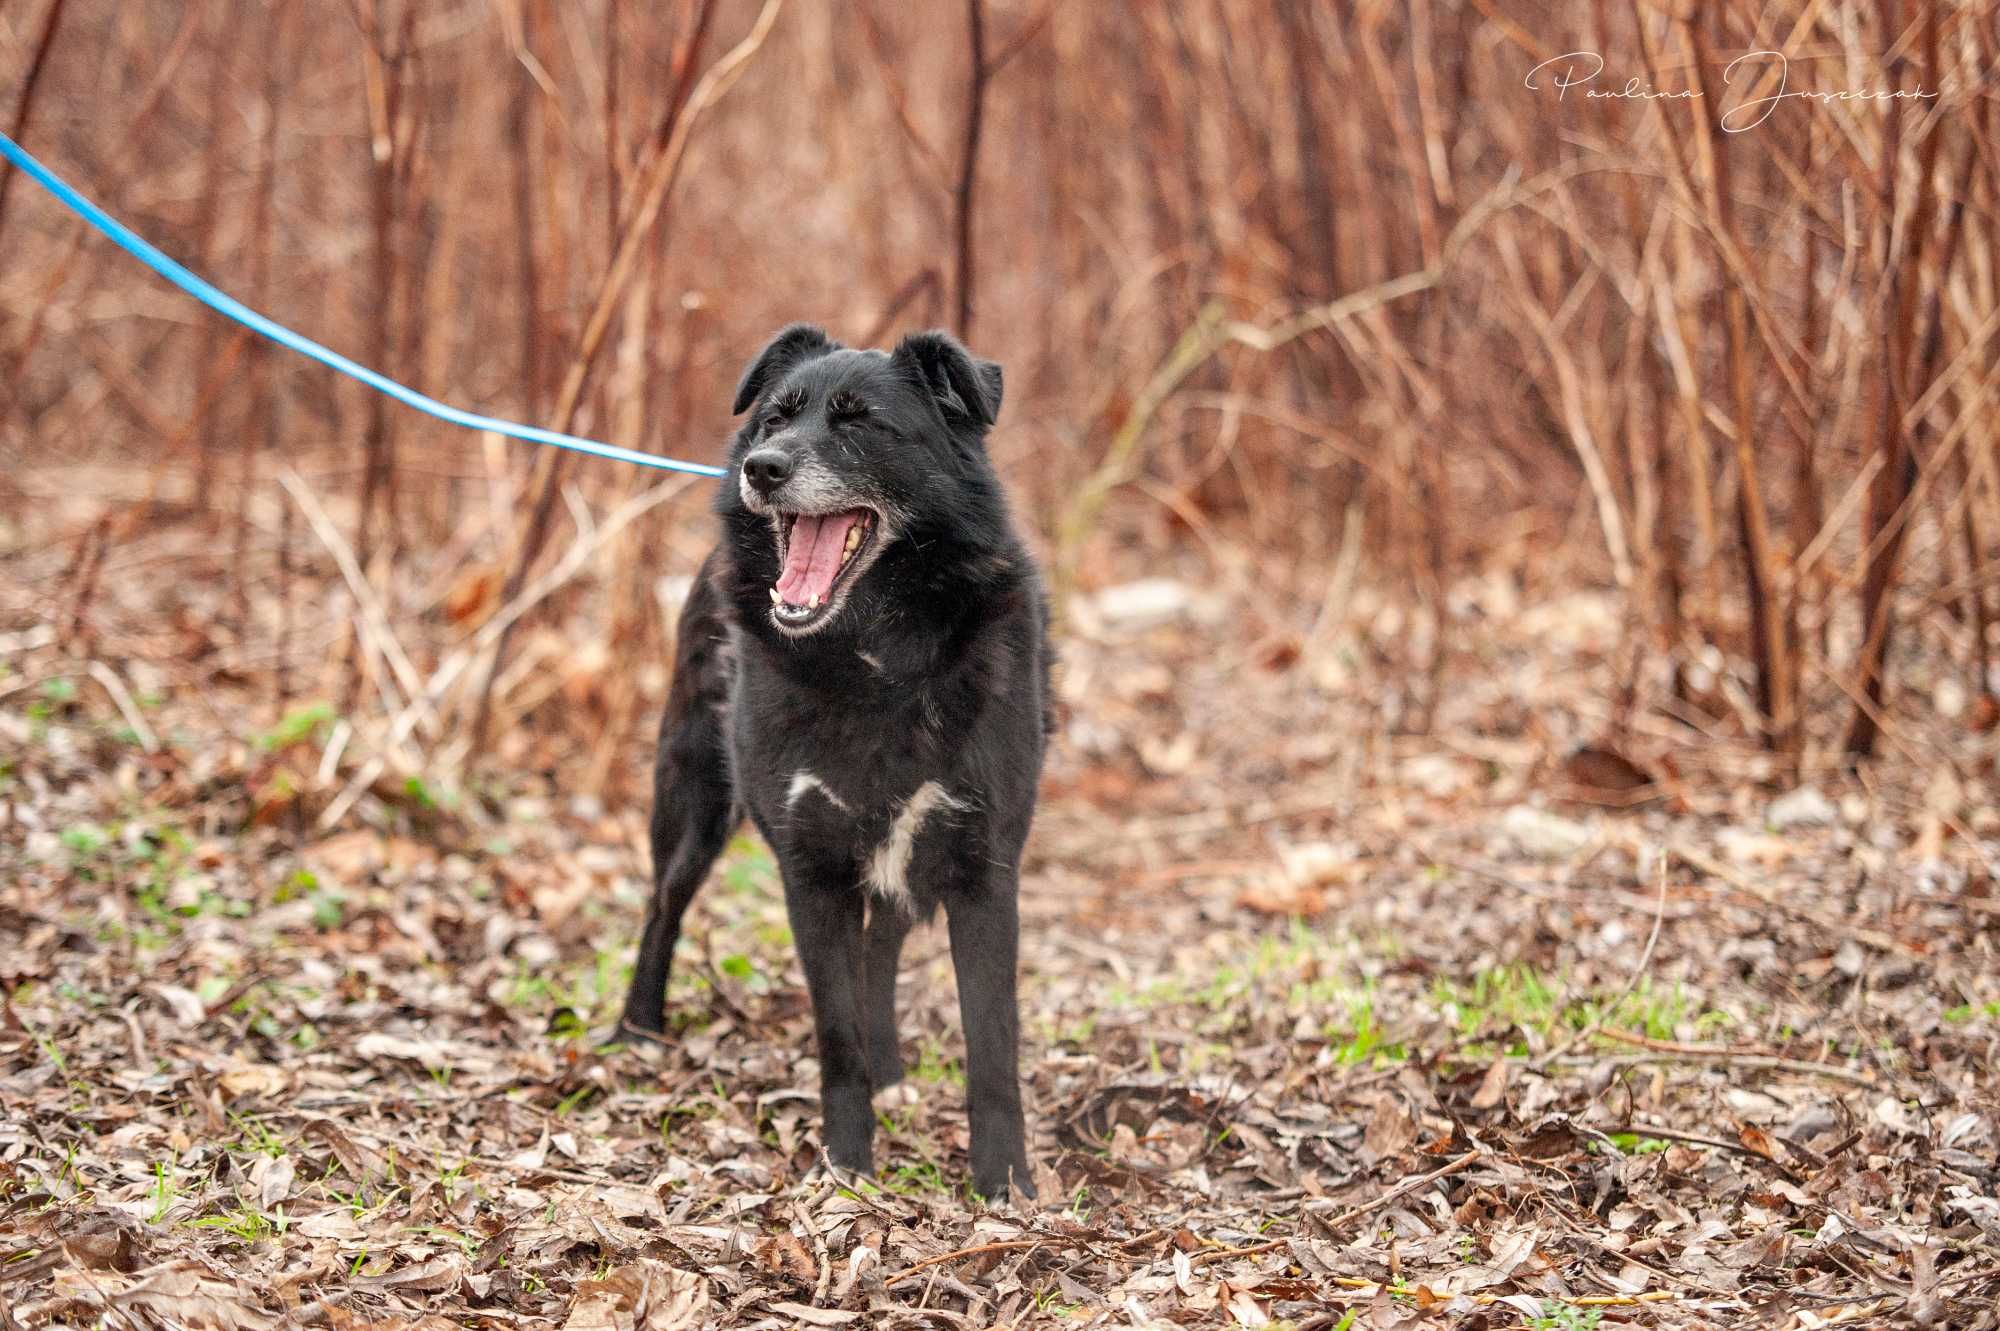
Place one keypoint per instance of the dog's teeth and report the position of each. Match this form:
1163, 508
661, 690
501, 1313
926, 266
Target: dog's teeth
814, 603
775, 598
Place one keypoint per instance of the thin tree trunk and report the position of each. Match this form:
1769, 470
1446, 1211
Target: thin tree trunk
1770, 637
278, 30
381, 90
24, 108
208, 222
968, 163
1893, 483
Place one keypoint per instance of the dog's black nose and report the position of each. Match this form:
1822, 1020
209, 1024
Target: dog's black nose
768, 468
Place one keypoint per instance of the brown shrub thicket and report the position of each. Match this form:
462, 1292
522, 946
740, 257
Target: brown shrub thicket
1267, 277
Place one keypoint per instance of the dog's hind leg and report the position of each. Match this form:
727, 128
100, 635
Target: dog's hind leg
826, 922
689, 831
985, 936
888, 926
693, 804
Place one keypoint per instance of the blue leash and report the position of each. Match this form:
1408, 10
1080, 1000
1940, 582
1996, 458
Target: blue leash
136, 246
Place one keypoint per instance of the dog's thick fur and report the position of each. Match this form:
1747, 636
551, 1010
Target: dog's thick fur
886, 739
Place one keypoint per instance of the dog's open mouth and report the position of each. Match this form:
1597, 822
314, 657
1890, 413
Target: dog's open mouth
820, 552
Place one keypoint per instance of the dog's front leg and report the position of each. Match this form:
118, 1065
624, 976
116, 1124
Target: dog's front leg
985, 936
826, 916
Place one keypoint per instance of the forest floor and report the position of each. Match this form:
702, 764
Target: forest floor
1326, 1022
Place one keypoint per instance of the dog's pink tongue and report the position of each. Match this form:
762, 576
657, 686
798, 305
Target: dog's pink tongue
812, 559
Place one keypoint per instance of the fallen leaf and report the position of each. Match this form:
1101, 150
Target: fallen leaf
1493, 1087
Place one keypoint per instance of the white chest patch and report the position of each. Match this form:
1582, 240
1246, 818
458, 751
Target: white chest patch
803, 781
888, 871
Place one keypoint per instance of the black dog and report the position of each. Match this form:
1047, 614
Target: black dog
863, 668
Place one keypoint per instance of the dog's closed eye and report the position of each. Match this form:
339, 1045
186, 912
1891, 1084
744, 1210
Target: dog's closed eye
783, 409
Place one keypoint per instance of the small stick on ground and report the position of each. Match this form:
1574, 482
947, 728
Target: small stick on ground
121, 697
821, 1260
1690, 1138
1008, 1245
1698, 1053
1394, 1194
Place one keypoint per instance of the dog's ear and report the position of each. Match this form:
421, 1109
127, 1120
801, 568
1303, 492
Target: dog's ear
963, 386
799, 342
990, 379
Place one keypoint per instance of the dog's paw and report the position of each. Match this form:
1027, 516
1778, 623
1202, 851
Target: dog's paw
827, 1174
626, 1035
1007, 1186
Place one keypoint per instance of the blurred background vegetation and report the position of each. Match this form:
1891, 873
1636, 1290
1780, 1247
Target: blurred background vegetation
1294, 298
